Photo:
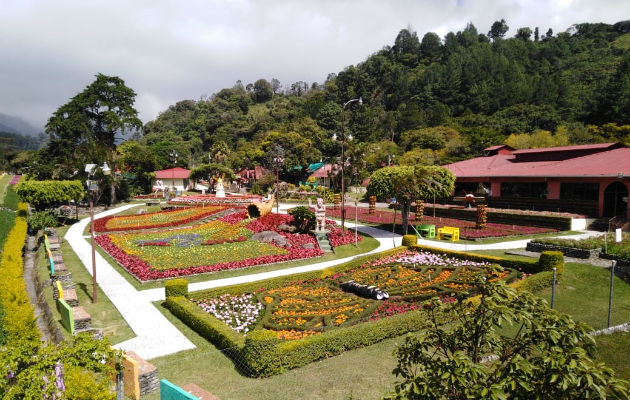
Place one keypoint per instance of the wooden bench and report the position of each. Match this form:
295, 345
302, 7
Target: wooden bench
426, 230
448, 231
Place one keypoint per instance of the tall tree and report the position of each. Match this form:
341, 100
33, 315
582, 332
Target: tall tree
84, 129
498, 30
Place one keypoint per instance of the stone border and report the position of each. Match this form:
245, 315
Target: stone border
567, 251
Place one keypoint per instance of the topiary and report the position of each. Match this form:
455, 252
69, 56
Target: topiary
550, 259
176, 287
409, 240
304, 218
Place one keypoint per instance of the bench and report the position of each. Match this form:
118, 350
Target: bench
448, 231
426, 230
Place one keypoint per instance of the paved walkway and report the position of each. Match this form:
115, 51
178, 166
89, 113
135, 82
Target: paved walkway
156, 336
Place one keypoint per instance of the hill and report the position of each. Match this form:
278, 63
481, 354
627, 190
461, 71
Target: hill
13, 124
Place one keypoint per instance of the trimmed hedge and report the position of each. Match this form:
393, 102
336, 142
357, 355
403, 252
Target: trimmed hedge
266, 355
409, 240
44, 194
534, 283
206, 325
550, 259
176, 287
531, 267
19, 322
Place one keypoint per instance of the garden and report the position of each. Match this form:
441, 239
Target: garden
467, 229
604, 244
230, 241
288, 322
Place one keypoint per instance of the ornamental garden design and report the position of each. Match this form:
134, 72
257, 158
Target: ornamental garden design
222, 239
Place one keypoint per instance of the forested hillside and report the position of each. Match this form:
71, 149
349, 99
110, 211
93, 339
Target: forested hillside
429, 100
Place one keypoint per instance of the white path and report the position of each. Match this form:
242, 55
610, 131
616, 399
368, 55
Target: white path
156, 336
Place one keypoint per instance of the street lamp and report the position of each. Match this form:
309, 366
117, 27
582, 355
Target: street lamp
278, 160
92, 186
173, 155
343, 161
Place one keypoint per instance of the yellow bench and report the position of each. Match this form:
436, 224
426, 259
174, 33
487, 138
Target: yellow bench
448, 231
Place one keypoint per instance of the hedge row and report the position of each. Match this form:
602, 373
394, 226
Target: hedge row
529, 266
20, 321
44, 194
534, 283
264, 354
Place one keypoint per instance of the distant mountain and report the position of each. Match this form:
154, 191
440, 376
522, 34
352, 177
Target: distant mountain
9, 123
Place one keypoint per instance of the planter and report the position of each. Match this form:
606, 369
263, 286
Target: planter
567, 251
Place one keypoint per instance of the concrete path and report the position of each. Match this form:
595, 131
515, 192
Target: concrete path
156, 336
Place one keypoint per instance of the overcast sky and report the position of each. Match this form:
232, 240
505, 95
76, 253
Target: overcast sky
173, 50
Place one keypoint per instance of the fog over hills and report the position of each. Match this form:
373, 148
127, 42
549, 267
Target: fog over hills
9, 123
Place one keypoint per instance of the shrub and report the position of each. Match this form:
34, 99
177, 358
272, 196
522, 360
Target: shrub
550, 259
409, 240
41, 219
15, 301
256, 189
534, 283
44, 194
176, 287
304, 218
86, 385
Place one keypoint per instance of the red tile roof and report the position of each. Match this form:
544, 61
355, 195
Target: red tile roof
173, 173
608, 162
597, 146
322, 172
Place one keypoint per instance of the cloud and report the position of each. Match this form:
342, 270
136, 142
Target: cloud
169, 51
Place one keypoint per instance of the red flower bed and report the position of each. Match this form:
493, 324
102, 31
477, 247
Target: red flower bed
15, 179
269, 222
100, 225
144, 272
467, 229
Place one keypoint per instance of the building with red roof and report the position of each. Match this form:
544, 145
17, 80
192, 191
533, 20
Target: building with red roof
593, 179
172, 177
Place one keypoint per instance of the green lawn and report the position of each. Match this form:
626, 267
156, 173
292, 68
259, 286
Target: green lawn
4, 182
104, 315
614, 350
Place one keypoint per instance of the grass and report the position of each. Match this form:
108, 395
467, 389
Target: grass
614, 350
4, 182
104, 314
333, 378
367, 244
583, 294
11, 199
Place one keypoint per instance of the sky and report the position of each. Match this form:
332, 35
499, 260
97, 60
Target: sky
168, 51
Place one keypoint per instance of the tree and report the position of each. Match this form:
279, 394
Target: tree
503, 346
498, 30
408, 184
430, 47
139, 163
275, 85
525, 34
211, 171
84, 130
262, 91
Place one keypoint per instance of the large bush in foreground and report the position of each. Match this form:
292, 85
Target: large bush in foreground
509, 346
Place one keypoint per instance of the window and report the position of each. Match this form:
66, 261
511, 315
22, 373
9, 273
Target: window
579, 191
524, 189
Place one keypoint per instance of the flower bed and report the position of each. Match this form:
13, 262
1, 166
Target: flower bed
467, 229
212, 199
158, 219
305, 308
213, 246
15, 179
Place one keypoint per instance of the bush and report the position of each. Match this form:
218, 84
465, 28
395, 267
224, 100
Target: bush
86, 385
176, 287
534, 283
256, 189
13, 296
44, 194
304, 218
409, 240
550, 259
41, 219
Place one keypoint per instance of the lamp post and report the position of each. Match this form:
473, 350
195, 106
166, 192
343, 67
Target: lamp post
278, 160
92, 188
173, 155
343, 161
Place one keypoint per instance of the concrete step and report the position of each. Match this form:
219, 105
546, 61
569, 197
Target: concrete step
82, 320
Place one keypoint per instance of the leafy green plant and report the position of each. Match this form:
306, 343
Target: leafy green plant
45, 194
507, 346
552, 259
303, 218
41, 219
